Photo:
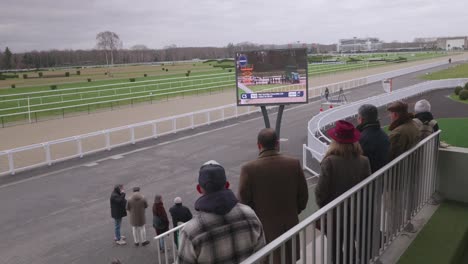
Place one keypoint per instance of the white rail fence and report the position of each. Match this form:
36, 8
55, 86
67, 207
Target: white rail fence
59, 95
317, 142
60, 91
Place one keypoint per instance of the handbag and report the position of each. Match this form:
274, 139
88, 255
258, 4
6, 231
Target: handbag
158, 223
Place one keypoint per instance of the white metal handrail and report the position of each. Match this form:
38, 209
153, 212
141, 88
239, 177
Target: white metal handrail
319, 122
360, 224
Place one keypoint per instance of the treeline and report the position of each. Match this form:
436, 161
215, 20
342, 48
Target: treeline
61, 58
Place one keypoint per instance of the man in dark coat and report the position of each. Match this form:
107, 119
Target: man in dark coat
117, 204
274, 186
180, 214
374, 141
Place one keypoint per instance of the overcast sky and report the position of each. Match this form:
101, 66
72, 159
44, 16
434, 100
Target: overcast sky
69, 24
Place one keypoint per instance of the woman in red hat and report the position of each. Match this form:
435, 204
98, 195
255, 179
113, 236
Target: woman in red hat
343, 167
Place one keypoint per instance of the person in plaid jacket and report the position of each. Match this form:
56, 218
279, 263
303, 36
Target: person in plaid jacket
224, 230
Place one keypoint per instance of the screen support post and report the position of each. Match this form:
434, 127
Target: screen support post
278, 118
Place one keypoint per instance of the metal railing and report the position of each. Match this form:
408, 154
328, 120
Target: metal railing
68, 90
359, 225
318, 142
47, 153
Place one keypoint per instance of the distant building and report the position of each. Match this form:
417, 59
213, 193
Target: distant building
453, 43
359, 45
409, 46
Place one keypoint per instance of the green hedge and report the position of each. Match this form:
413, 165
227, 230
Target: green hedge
464, 95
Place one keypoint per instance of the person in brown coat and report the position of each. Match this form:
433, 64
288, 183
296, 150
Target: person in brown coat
136, 207
160, 221
343, 167
274, 186
404, 132
404, 135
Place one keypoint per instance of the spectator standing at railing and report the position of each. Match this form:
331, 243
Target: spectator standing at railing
342, 167
404, 132
180, 214
224, 231
274, 186
118, 204
137, 205
160, 221
374, 141
424, 118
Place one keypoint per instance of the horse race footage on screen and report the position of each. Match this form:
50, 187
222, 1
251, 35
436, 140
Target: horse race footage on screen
272, 77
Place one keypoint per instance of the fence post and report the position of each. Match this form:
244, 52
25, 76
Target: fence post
222, 114
192, 121
132, 133
155, 130
11, 163
79, 146
47, 150
108, 147
208, 117
174, 125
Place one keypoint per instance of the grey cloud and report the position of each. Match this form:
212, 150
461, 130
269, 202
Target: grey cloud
47, 24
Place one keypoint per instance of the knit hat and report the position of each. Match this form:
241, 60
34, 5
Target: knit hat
212, 177
422, 106
178, 200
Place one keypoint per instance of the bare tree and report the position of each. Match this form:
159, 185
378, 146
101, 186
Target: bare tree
108, 41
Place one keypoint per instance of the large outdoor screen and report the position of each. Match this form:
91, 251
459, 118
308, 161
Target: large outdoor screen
271, 77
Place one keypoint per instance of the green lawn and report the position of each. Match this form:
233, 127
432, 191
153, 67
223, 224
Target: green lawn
362, 61
80, 95
458, 71
457, 98
454, 131
443, 239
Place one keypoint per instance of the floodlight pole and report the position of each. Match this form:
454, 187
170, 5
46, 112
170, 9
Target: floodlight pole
278, 119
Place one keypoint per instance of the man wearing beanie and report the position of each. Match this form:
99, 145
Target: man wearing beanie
404, 134
224, 231
180, 214
424, 119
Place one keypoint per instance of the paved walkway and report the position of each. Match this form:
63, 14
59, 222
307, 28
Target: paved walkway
23, 135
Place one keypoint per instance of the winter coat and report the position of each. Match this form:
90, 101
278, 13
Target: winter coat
427, 117
117, 204
136, 205
180, 213
274, 186
160, 212
338, 175
224, 231
403, 136
375, 144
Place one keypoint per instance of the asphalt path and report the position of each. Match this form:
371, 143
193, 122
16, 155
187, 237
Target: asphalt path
60, 214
